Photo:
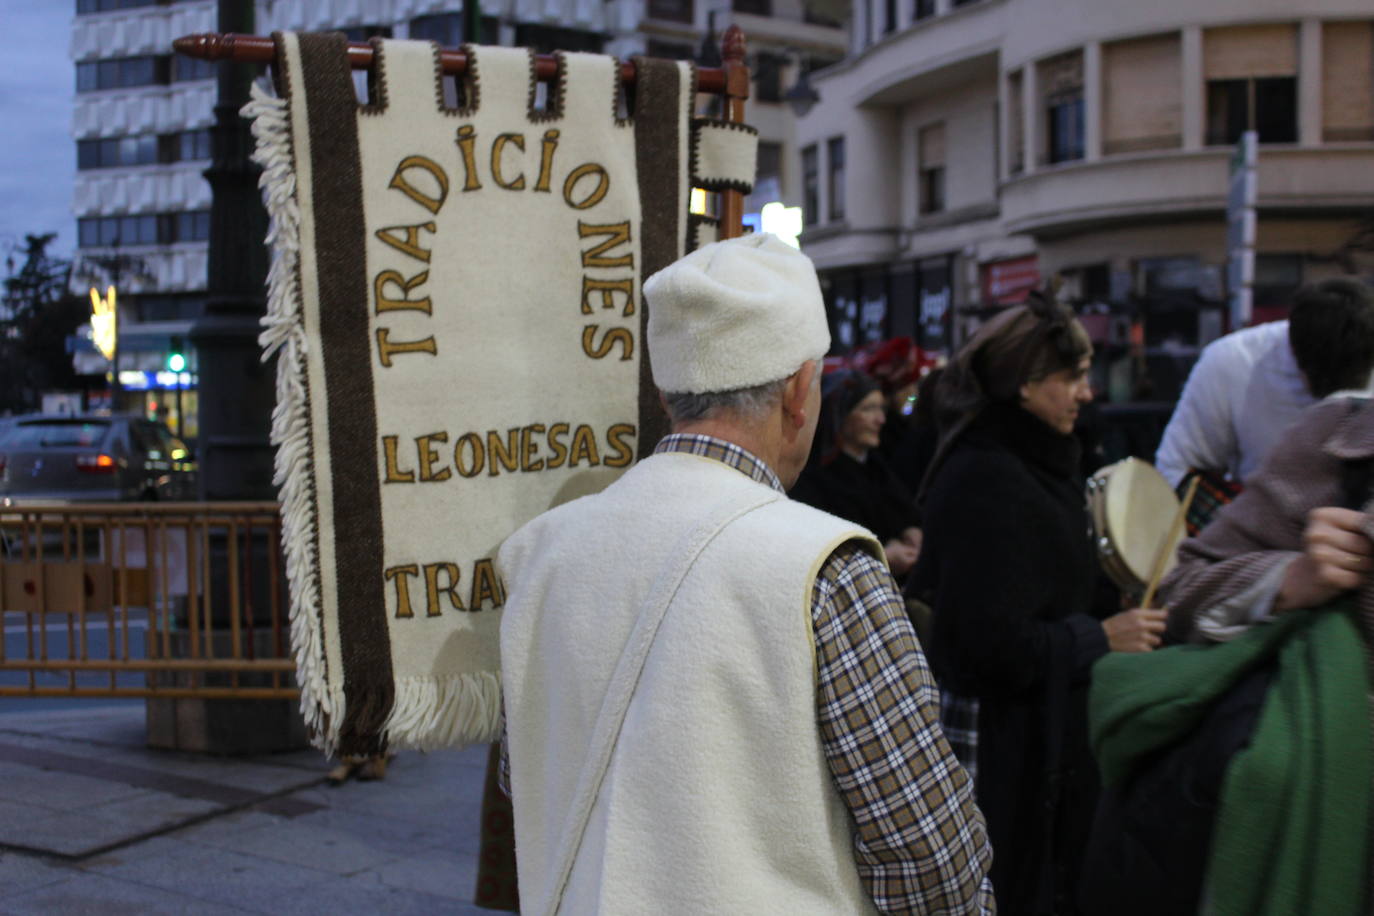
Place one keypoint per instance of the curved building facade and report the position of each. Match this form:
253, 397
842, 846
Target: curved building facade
965, 152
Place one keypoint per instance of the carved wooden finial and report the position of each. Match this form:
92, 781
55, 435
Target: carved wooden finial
732, 45
205, 45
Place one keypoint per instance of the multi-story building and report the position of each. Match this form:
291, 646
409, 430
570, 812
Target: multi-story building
968, 150
142, 118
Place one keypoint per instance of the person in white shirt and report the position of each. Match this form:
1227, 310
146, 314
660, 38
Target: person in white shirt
1248, 387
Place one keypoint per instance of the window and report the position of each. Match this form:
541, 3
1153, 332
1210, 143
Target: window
186, 69
143, 229
1347, 81
143, 149
193, 144
811, 14
889, 16
59, 433
113, 152
122, 73
1016, 125
768, 175
1142, 94
756, 7
672, 10
193, 226
1066, 127
445, 29
669, 50
923, 9
138, 230
1061, 94
931, 150
835, 184
1251, 74
768, 77
1268, 105
364, 32
104, 6
811, 185
549, 38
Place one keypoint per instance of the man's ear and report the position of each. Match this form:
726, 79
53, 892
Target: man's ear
795, 392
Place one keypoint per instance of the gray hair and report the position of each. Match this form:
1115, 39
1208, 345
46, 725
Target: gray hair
751, 403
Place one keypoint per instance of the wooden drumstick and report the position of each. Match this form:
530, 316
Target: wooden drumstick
1162, 557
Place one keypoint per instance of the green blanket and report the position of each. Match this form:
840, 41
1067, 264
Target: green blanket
1292, 829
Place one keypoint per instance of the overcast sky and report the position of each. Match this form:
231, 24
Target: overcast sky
37, 153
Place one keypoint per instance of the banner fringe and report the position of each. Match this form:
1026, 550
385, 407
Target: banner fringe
433, 713
284, 335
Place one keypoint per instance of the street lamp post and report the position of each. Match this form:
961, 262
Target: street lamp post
235, 395
236, 390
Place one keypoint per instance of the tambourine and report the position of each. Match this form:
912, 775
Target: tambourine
1133, 511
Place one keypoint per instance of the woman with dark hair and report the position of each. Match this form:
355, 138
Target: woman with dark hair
1009, 570
846, 474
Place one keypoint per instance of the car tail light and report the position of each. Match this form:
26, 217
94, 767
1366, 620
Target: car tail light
95, 464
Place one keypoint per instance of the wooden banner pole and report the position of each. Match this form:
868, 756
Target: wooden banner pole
735, 90
260, 49
730, 80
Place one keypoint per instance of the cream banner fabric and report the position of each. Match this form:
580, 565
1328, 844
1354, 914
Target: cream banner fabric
455, 306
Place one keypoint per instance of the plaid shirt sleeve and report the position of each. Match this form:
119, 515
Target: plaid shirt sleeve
921, 844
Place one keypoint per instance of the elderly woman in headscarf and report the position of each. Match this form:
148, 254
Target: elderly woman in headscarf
847, 475
1009, 569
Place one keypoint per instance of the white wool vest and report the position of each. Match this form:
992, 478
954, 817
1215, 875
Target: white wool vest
718, 798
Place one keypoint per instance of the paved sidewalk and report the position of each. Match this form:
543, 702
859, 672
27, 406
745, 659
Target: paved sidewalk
91, 821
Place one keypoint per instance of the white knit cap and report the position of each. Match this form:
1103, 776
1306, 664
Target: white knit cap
734, 314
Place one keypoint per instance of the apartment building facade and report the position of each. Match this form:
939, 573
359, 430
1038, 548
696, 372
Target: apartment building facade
142, 119
966, 151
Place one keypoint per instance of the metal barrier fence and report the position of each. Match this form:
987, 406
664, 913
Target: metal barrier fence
144, 600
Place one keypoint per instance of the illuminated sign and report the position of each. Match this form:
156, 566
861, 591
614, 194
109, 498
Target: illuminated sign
783, 221
136, 380
104, 323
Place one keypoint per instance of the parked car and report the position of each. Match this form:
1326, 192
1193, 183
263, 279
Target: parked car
80, 458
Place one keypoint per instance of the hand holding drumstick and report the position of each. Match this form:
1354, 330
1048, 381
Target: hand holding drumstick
1140, 629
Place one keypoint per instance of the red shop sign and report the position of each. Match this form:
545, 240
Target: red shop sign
1008, 282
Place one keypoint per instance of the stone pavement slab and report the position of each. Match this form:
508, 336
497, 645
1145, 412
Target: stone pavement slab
98, 896
101, 824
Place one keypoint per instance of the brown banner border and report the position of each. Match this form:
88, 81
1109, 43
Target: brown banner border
346, 352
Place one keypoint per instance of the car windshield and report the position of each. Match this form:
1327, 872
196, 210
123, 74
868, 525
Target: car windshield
57, 434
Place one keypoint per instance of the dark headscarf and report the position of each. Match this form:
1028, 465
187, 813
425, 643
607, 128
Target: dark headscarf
841, 392
1024, 343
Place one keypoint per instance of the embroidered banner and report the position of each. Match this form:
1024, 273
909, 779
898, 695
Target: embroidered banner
455, 306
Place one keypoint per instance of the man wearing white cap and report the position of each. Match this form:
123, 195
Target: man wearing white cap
715, 701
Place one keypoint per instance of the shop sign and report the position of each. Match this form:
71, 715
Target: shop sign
1008, 282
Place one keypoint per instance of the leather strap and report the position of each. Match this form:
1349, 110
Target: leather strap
627, 673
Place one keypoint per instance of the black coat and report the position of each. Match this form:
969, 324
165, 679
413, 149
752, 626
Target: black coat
1009, 569
867, 494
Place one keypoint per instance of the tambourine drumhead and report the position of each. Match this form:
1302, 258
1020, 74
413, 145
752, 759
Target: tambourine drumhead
1133, 510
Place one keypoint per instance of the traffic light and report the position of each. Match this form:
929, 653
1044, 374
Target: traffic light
176, 359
